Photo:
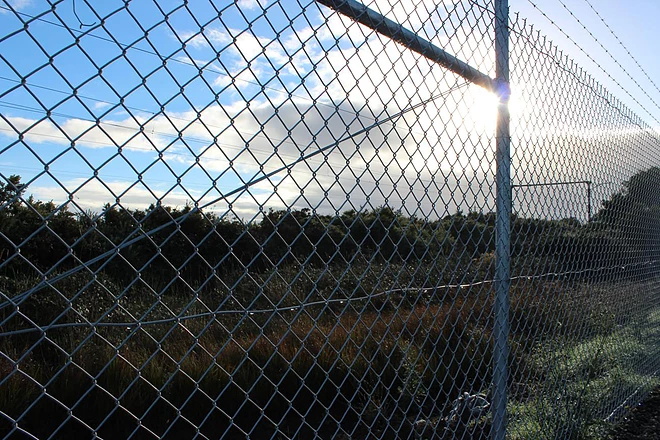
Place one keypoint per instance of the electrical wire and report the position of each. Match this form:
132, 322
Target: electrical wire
235, 78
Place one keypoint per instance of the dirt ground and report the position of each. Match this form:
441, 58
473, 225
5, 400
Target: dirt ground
643, 423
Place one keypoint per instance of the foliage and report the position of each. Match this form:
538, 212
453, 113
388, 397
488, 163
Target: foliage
405, 335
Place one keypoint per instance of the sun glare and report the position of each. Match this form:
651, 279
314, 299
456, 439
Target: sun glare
483, 108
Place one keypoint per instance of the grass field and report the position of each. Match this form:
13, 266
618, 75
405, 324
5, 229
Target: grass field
350, 369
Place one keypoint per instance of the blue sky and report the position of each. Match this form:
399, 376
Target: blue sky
633, 22
153, 119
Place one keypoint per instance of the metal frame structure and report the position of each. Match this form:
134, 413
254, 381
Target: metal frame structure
499, 85
347, 263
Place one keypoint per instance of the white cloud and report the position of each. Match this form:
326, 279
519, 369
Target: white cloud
239, 143
252, 4
207, 39
246, 56
352, 78
108, 133
93, 194
18, 5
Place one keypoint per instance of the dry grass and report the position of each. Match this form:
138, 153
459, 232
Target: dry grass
323, 371
327, 370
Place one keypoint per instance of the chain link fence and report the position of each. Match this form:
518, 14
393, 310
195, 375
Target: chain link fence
266, 220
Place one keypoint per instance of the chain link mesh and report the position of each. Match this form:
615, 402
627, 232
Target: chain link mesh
264, 220
584, 322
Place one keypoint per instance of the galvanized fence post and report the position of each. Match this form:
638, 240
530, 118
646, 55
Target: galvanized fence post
503, 221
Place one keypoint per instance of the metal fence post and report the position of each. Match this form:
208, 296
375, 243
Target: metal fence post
503, 229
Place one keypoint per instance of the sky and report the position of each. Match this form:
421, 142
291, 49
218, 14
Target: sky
607, 32
243, 106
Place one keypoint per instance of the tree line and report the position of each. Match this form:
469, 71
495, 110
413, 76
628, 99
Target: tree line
40, 236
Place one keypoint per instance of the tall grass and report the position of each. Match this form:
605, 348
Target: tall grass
349, 369
575, 387
326, 372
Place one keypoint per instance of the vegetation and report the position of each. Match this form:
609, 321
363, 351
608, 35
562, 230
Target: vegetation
198, 324
588, 381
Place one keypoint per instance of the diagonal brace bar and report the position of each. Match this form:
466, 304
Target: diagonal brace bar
389, 28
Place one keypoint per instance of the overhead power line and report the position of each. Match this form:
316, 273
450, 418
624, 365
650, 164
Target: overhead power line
207, 68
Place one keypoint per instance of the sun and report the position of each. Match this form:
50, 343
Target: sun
482, 108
